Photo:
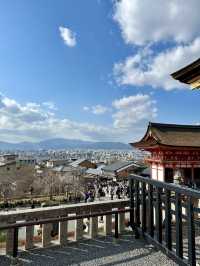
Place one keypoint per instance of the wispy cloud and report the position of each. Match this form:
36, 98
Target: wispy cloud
134, 112
68, 36
97, 109
86, 108
50, 105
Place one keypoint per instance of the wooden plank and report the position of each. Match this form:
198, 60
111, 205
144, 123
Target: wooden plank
158, 215
150, 209
191, 234
179, 233
168, 220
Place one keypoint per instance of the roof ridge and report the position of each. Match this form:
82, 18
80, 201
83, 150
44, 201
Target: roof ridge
154, 124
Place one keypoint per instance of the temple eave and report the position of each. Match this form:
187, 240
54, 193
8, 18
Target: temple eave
160, 161
146, 146
189, 75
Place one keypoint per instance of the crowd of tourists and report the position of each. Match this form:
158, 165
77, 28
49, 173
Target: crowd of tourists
106, 190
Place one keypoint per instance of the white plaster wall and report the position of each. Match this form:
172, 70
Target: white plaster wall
161, 173
154, 171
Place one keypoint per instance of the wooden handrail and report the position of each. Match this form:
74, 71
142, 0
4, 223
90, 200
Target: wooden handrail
62, 219
164, 200
16, 226
170, 186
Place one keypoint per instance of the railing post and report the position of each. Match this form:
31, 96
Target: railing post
131, 185
116, 226
29, 237
121, 222
15, 242
158, 215
144, 207
63, 227
168, 220
137, 209
78, 228
46, 234
179, 233
108, 224
9, 241
150, 211
93, 228
191, 234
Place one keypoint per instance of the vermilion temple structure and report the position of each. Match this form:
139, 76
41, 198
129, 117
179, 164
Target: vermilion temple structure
175, 152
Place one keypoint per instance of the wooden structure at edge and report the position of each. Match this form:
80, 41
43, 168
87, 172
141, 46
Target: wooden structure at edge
189, 75
175, 152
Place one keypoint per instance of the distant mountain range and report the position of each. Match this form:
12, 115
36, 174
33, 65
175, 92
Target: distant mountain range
60, 143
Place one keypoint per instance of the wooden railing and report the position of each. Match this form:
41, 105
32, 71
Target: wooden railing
164, 213
11, 221
168, 215
15, 227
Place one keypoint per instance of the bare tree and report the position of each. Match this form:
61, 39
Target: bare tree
16, 178
51, 183
6, 189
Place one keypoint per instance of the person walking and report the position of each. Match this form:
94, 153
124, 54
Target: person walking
86, 196
118, 192
111, 193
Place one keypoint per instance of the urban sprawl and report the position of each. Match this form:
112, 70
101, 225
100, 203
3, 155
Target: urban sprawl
50, 177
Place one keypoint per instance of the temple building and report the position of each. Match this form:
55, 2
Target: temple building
174, 152
189, 75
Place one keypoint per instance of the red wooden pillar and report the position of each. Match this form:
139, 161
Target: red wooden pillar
174, 167
192, 174
157, 170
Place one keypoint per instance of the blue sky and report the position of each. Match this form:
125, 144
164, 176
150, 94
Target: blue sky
104, 78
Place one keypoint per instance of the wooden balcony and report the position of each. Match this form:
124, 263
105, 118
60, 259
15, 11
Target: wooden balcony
107, 240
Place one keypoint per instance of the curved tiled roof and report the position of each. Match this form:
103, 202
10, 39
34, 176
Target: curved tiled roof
170, 135
189, 74
118, 165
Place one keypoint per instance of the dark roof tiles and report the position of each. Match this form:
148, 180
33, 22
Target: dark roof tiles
118, 165
188, 72
170, 135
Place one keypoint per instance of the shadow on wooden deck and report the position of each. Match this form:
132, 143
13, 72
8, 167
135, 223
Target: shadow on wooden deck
105, 251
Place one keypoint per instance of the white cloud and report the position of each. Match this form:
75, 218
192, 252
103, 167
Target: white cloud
68, 36
34, 122
152, 21
96, 109
86, 108
170, 28
50, 105
99, 109
134, 112
146, 68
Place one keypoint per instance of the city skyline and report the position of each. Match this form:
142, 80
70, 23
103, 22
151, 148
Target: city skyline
95, 70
